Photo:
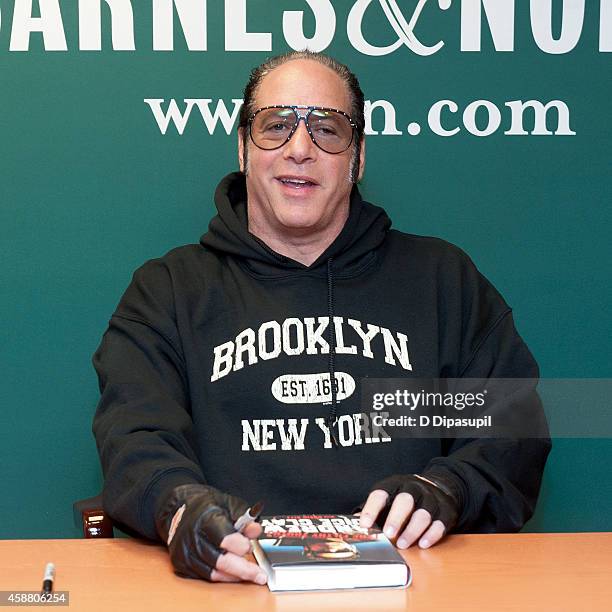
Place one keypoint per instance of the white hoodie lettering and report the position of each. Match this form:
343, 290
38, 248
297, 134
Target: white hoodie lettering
294, 336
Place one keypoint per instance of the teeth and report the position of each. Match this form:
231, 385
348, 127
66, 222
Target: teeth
295, 181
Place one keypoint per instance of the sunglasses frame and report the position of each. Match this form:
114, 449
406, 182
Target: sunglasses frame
310, 109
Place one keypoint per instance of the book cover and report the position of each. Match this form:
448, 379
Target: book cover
304, 552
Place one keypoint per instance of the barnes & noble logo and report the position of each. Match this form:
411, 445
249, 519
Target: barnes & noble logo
45, 18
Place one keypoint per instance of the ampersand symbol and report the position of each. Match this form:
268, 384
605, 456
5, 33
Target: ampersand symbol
395, 17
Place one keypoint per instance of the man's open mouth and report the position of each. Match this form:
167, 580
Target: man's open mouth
296, 183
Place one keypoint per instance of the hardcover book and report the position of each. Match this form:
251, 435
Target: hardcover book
327, 551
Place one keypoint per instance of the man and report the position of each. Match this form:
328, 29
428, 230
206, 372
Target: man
216, 370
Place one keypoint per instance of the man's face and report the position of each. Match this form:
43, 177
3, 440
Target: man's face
331, 548
276, 207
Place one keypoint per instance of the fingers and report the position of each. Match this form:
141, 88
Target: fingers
400, 511
421, 528
202, 570
239, 543
252, 530
376, 501
231, 566
200, 558
239, 567
433, 535
219, 576
236, 543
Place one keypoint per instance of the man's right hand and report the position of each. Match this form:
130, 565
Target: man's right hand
197, 523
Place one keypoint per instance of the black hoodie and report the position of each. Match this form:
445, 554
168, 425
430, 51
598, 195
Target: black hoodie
216, 364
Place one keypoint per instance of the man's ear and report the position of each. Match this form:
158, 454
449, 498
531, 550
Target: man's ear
241, 148
362, 156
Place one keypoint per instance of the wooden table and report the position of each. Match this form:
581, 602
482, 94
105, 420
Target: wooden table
482, 573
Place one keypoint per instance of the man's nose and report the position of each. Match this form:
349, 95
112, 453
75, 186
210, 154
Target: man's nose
300, 147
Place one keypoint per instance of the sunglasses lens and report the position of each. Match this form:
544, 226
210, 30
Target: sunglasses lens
331, 130
271, 128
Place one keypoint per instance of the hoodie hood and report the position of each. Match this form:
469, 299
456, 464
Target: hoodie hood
355, 246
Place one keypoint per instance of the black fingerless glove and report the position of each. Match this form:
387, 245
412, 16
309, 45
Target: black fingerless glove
441, 496
205, 516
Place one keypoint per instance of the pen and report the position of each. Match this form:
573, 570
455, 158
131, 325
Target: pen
252, 514
47, 586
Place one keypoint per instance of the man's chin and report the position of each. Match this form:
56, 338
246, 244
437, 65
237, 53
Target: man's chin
299, 225
300, 215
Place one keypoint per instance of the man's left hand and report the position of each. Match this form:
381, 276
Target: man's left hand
416, 508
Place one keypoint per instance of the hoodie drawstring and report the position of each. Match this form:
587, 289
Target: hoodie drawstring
332, 417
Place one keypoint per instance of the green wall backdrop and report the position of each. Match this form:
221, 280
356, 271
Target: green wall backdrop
90, 188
